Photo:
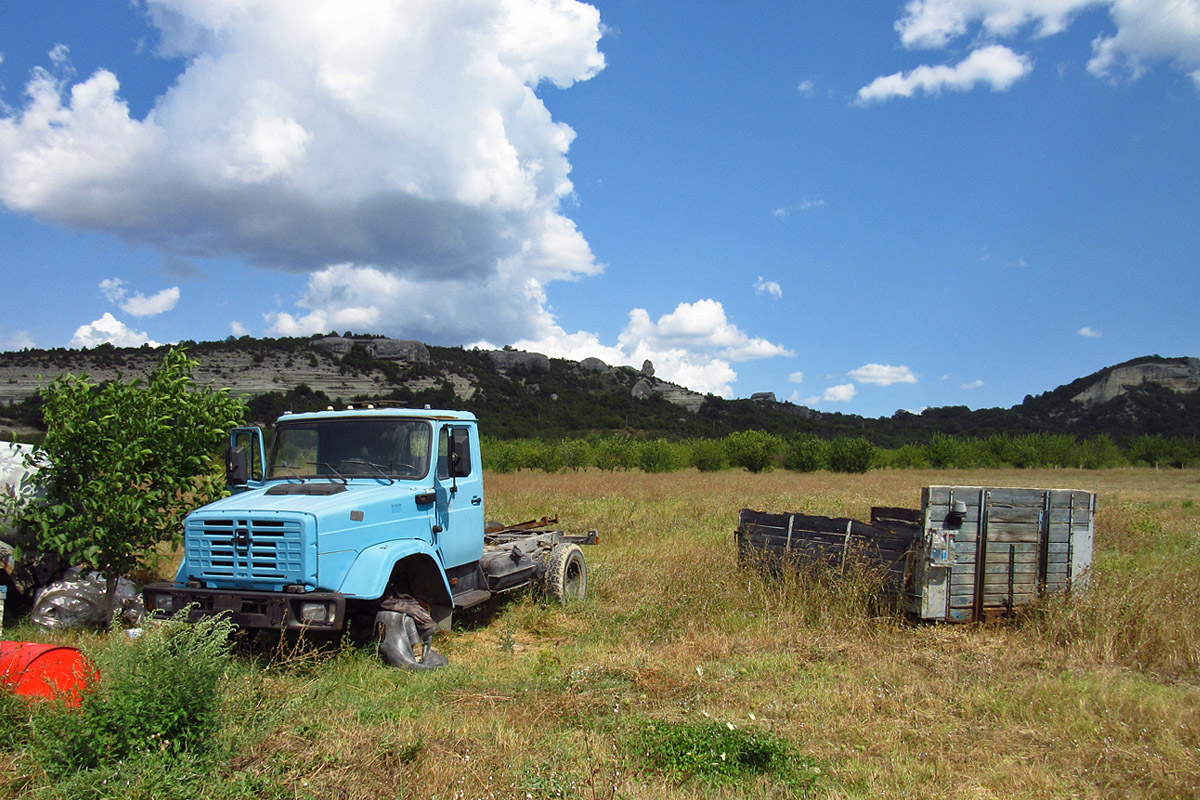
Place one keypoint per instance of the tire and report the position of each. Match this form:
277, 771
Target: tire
566, 573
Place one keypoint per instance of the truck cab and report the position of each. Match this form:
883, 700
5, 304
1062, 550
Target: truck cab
342, 509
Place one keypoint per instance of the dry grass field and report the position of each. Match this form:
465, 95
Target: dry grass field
685, 676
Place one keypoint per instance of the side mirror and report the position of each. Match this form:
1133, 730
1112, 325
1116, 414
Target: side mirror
237, 466
460, 453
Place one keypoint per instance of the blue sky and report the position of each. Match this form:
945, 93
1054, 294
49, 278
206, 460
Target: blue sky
859, 206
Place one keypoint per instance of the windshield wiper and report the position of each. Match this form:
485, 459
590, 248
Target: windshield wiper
332, 469
291, 469
382, 472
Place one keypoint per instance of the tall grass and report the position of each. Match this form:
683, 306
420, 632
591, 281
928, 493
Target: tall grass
680, 654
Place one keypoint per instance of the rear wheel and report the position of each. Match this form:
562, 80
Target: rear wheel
566, 573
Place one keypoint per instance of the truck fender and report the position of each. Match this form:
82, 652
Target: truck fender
368, 576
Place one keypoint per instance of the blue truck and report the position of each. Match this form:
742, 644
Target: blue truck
366, 518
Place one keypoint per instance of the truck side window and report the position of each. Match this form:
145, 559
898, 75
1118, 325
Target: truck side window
454, 453
460, 452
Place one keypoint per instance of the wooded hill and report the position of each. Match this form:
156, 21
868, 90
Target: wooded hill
524, 395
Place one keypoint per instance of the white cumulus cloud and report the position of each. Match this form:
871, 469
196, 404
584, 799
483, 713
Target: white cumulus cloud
796, 377
406, 137
111, 330
694, 346
935, 23
994, 66
699, 326
883, 374
1089, 332
139, 305
971, 386
842, 393
1146, 31
1149, 30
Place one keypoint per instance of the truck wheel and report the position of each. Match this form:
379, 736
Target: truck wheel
566, 573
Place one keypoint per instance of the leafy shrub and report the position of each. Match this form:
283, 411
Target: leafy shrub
752, 450
539, 455
575, 454
851, 454
1099, 453
805, 452
991, 453
656, 455
946, 452
499, 455
615, 452
706, 455
909, 456
157, 693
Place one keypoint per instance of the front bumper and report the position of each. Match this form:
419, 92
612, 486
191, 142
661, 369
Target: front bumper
315, 611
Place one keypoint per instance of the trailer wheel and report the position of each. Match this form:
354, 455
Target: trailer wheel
566, 573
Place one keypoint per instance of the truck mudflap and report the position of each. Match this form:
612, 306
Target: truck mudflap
311, 611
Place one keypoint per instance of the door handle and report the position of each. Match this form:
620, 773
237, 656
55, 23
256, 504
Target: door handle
476, 501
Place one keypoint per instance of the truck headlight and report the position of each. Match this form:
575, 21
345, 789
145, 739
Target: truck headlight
161, 602
315, 613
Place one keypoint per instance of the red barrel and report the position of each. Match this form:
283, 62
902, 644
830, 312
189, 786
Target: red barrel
44, 670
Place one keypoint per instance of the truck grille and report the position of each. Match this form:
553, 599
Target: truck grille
251, 553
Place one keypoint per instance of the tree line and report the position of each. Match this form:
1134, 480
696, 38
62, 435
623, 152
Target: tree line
760, 451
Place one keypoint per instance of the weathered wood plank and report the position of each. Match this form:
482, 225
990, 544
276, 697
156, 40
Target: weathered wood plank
1013, 532
1001, 514
995, 600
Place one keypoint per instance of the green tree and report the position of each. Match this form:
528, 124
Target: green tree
851, 454
706, 455
124, 462
946, 452
656, 455
615, 452
805, 452
575, 453
909, 456
1100, 453
753, 450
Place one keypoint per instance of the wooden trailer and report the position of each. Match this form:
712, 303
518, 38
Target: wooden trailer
970, 553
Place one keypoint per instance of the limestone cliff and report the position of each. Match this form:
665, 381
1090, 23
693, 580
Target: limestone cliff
1179, 375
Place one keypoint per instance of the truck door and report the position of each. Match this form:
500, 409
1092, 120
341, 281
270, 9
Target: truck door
459, 487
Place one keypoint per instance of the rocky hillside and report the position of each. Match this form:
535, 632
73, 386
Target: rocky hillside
519, 394
301, 374
1180, 375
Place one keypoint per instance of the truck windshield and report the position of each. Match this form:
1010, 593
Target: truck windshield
351, 448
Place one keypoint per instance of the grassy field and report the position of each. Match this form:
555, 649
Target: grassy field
685, 676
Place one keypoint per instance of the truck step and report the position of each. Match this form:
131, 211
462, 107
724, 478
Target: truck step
471, 598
